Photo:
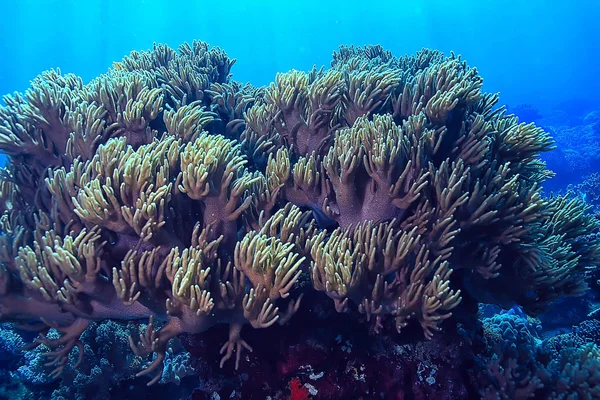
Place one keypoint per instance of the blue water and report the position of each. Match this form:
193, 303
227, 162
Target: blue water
534, 51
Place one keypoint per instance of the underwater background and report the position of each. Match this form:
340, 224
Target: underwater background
541, 57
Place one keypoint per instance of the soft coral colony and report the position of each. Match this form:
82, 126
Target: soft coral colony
165, 191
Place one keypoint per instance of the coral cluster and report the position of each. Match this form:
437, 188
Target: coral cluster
589, 190
523, 367
108, 363
578, 143
166, 191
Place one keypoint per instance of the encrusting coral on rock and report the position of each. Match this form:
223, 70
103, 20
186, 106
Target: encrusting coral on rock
164, 190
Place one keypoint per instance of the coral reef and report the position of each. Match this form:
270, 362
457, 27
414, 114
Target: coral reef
337, 358
578, 143
391, 189
108, 362
589, 190
333, 358
522, 367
